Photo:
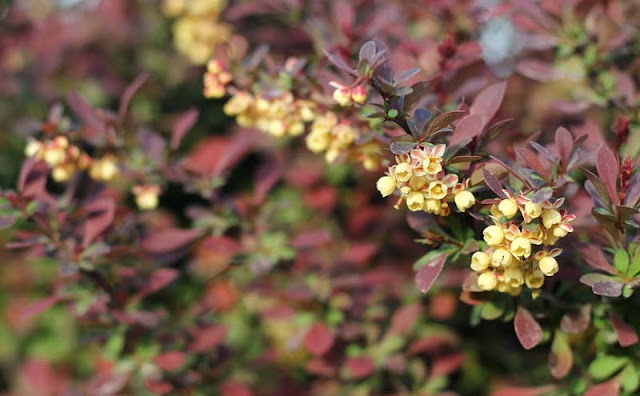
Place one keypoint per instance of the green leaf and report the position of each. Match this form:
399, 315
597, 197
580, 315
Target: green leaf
634, 268
604, 366
621, 260
629, 378
492, 309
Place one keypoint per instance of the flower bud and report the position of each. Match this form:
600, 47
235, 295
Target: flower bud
493, 235
534, 280
146, 197
32, 148
415, 201
548, 265
487, 281
534, 210
520, 247
501, 258
513, 277
386, 185
464, 200
508, 207
342, 96
550, 217
403, 172
480, 261
359, 94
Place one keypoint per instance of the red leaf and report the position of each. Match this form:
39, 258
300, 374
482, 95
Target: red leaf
360, 366
527, 328
488, 101
168, 240
405, 318
564, 144
39, 306
522, 391
609, 388
232, 388
84, 111
170, 361
445, 365
429, 273
267, 175
626, 334
608, 170
99, 217
33, 178
129, 92
536, 70
182, 125
532, 161
208, 338
158, 280
594, 256
318, 339
469, 127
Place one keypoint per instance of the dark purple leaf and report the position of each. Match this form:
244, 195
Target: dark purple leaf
564, 144
33, 178
600, 188
421, 117
527, 328
489, 101
400, 147
182, 125
543, 150
626, 334
99, 217
165, 241
404, 319
608, 170
339, 63
429, 273
418, 91
367, 51
129, 92
493, 183
406, 75
267, 176
444, 120
469, 127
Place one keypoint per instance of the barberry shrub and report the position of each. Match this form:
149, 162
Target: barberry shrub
320, 198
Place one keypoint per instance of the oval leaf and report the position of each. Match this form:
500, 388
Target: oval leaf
429, 273
527, 328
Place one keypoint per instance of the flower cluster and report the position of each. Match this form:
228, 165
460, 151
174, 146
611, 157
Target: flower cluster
345, 95
63, 158
511, 259
276, 114
422, 182
198, 28
215, 80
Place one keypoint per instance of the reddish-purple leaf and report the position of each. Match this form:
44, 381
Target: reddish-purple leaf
527, 328
360, 366
40, 306
609, 388
576, 321
607, 288
626, 334
208, 338
267, 175
564, 144
339, 63
168, 240
405, 318
536, 70
469, 127
444, 120
594, 256
445, 365
532, 161
182, 125
608, 170
561, 356
523, 391
33, 178
170, 361
85, 112
429, 273
129, 92
493, 183
489, 101
158, 280
232, 388
99, 217
319, 339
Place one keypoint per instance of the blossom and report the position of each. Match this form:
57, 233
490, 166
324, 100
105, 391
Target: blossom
520, 247
493, 235
386, 185
415, 201
501, 258
146, 196
403, 172
480, 261
550, 217
359, 94
508, 207
533, 210
487, 281
437, 189
464, 200
548, 265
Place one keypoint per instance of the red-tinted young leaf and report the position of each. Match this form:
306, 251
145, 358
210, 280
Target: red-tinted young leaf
182, 125
527, 328
232, 388
532, 161
561, 356
564, 144
626, 334
594, 256
429, 273
208, 338
609, 388
170, 361
493, 183
165, 241
469, 127
608, 170
360, 366
99, 217
39, 306
489, 101
318, 340
339, 63
445, 365
129, 92
607, 288
158, 280
405, 318
444, 120
576, 321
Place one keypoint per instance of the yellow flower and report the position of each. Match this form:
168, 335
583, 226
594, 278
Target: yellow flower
238, 103
559, 232
54, 155
464, 200
508, 207
433, 206
534, 280
386, 185
403, 172
63, 172
342, 96
415, 201
487, 281
520, 247
173, 8
513, 277
296, 128
550, 217
32, 148
432, 165
146, 196
359, 94
480, 261
493, 235
437, 189
548, 265
501, 257
534, 210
